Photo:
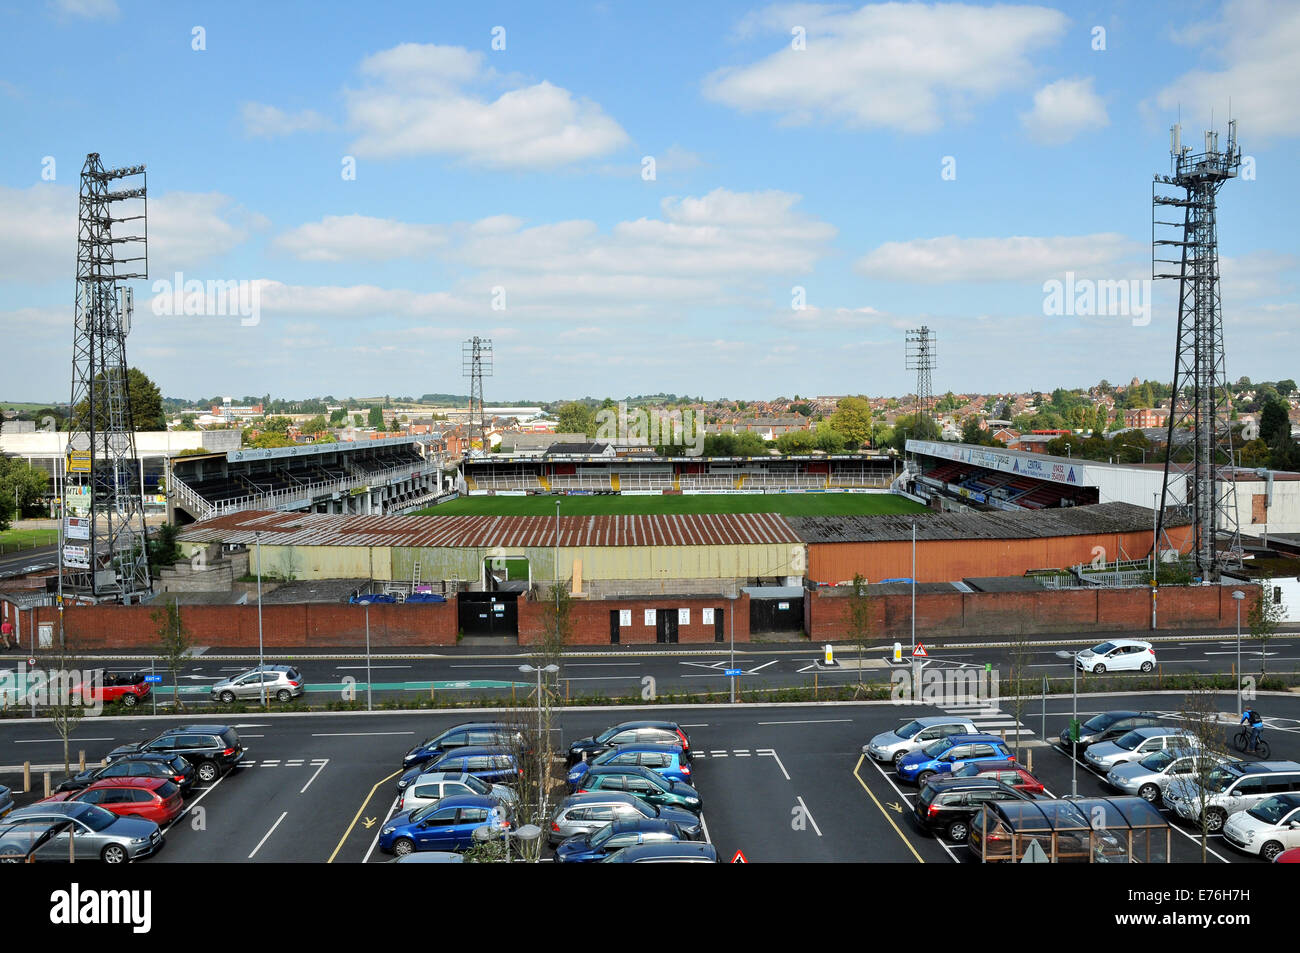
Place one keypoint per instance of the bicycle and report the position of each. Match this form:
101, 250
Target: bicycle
1242, 741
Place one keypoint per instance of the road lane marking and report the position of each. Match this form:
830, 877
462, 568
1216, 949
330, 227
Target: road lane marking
193, 804
46, 741
899, 791
268, 834
347, 832
761, 667
813, 721
771, 753
313, 777
358, 734
379, 829
884, 813
809, 814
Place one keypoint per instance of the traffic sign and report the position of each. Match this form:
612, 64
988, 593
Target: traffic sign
739, 858
732, 671
919, 651
153, 679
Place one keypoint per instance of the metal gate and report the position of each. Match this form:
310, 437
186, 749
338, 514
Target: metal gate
666, 625
613, 627
488, 613
718, 634
780, 614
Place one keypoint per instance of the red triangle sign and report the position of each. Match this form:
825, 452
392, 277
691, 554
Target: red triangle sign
739, 858
919, 651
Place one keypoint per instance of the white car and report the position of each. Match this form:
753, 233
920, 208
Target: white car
1117, 655
433, 786
1135, 746
891, 746
1268, 828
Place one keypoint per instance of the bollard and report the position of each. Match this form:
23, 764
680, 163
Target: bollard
1029, 758
81, 760
27, 777
47, 784
898, 653
566, 691
828, 655
814, 685
512, 693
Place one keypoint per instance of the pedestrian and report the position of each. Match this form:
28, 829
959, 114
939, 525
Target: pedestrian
7, 634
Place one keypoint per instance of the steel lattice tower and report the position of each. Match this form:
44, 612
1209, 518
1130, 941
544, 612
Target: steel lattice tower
103, 550
1200, 403
476, 363
920, 358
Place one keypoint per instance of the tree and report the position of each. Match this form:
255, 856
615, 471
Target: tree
174, 643
66, 685
1263, 618
316, 425
338, 417
1200, 720
22, 488
1274, 422
861, 622
852, 419
375, 418
163, 549
796, 441
576, 418
1286, 387
913, 428
829, 439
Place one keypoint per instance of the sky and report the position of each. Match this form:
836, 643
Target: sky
721, 199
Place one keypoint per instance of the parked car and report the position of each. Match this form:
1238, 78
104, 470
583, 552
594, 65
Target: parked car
430, 857
21, 842
892, 746
1008, 772
6, 800
651, 732
678, 852
1291, 856
447, 825
1117, 655
432, 787
954, 751
1137, 744
155, 799
1230, 788
284, 683
96, 834
462, 736
214, 750
668, 760
492, 763
1107, 726
170, 766
1149, 777
1267, 829
948, 804
585, 813
642, 782
588, 848
129, 688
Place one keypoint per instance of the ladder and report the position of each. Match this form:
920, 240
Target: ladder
415, 576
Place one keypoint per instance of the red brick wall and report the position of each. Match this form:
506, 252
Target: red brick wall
590, 620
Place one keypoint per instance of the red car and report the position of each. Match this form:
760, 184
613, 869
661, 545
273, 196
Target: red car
1291, 856
155, 799
129, 688
1008, 772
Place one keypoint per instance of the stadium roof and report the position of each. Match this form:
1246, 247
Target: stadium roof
1002, 524
326, 529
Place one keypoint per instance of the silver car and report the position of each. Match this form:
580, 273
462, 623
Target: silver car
1135, 746
891, 746
281, 682
96, 834
433, 786
584, 813
1150, 777
6, 800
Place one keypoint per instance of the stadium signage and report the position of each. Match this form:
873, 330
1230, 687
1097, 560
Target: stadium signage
1025, 464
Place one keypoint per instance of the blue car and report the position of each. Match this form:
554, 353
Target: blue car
460, 736
447, 825
495, 764
947, 754
589, 848
663, 759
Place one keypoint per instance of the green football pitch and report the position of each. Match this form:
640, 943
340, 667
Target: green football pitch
787, 504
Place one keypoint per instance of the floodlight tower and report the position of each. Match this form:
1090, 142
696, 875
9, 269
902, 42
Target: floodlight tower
920, 358
476, 363
1200, 483
102, 553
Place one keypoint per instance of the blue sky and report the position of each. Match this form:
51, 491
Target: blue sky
799, 156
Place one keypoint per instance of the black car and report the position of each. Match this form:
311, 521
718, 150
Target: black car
1107, 726
212, 749
679, 852
170, 766
949, 805
654, 732
463, 736
595, 846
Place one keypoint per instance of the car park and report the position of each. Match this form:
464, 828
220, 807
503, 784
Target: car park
891, 746
473, 734
946, 754
284, 683
667, 760
642, 782
129, 688
155, 799
447, 825
432, 787
1149, 777
1136, 745
1117, 655
583, 813
214, 750
588, 848
948, 804
646, 732
1231, 787
1267, 829
679, 852
492, 763
96, 834
170, 766
1008, 772
1107, 726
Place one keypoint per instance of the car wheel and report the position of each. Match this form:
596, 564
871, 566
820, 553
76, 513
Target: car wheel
958, 830
227, 698
898, 756
1099, 669
1214, 820
1149, 792
208, 772
1270, 850
283, 695
129, 700
113, 854
923, 777
1148, 666
403, 846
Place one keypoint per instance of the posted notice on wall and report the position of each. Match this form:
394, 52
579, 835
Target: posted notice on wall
624, 617
649, 616
683, 616
706, 616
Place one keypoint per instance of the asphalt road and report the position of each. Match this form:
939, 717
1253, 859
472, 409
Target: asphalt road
779, 783
27, 560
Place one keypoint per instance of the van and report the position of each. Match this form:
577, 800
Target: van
1230, 788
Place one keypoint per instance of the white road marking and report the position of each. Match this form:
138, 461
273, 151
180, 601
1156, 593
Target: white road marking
809, 813
813, 721
741, 753
313, 777
345, 668
358, 734
607, 678
705, 827
379, 829
270, 764
898, 791
771, 753
46, 741
717, 754
194, 803
267, 834
761, 667
601, 664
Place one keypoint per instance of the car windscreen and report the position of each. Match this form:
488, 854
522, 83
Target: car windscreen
1131, 740
1103, 648
1159, 760
1271, 811
96, 818
909, 729
1219, 779
599, 837
166, 790
230, 737
1102, 721
607, 734
936, 748
477, 785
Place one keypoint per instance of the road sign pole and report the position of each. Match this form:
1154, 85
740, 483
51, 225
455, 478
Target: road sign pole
154, 694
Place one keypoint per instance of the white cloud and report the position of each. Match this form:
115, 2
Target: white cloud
1064, 109
418, 101
950, 258
87, 9
1255, 43
902, 66
359, 238
266, 122
187, 229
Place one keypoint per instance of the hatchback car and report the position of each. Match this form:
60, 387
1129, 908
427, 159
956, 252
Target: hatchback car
432, 787
651, 732
1149, 777
492, 763
1107, 726
170, 766
668, 760
1008, 772
678, 852
954, 751
891, 746
588, 848
1229, 788
1136, 745
214, 750
1117, 655
584, 813
948, 804
462, 736
447, 825
642, 782
284, 683
96, 834
129, 688
154, 799
1268, 828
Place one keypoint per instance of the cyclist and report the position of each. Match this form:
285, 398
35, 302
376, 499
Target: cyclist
1256, 722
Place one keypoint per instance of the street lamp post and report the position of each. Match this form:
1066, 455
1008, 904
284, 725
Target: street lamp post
541, 748
368, 698
1237, 596
257, 541
731, 620
1074, 737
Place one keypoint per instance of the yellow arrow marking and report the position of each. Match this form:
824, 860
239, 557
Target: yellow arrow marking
896, 807
862, 758
348, 832
369, 822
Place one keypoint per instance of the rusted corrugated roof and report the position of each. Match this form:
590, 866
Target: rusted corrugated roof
326, 529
